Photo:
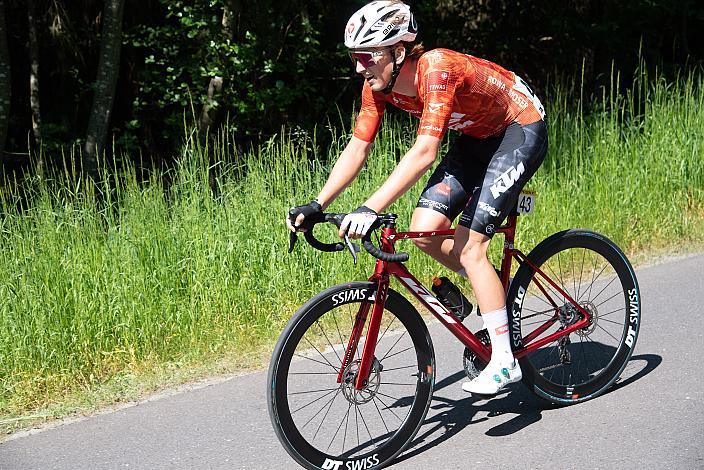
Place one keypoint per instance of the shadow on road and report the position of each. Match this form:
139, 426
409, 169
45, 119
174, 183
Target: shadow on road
455, 415
631, 373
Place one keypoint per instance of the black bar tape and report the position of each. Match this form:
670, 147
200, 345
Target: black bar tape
378, 254
318, 245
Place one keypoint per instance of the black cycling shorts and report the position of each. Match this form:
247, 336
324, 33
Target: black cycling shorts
481, 178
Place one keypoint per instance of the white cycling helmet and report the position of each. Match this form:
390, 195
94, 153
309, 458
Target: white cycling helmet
380, 23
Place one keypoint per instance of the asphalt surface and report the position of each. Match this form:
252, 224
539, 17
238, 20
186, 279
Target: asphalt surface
653, 418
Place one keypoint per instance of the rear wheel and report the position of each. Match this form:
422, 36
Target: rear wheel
595, 273
327, 424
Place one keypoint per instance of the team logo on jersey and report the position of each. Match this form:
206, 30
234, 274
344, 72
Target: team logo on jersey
437, 81
435, 107
400, 101
443, 189
459, 121
433, 57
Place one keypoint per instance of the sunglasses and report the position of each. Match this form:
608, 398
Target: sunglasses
366, 58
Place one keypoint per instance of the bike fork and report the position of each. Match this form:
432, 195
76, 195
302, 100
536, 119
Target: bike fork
357, 329
367, 359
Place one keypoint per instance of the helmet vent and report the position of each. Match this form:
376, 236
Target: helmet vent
363, 21
380, 23
390, 15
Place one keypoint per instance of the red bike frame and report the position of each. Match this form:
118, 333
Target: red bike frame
384, 270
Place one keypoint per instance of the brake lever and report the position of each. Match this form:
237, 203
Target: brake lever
353, 247
292, 239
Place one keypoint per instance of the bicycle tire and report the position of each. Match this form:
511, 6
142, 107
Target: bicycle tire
282, 376
602, 356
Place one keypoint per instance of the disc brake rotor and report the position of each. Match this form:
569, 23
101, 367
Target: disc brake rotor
591, 308
368, 392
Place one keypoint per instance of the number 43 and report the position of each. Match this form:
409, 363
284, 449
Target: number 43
526, 202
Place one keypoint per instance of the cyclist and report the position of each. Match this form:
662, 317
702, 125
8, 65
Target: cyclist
502, 142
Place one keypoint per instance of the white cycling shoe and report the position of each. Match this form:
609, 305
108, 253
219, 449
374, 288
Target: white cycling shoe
493, 378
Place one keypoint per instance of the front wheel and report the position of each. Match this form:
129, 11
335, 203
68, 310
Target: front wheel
321, 419
595, 273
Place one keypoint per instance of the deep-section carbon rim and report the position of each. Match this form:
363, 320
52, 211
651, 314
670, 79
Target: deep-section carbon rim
322, 422
594, 272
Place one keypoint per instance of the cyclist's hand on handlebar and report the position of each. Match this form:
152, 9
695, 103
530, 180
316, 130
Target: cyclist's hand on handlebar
356, 224
296, 215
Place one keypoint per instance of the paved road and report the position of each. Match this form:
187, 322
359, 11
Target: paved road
653, 419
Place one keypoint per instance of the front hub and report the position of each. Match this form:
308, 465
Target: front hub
370, 389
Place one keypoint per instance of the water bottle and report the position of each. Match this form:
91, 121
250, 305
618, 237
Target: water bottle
450, 296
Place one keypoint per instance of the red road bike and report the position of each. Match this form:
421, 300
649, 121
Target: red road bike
352, 375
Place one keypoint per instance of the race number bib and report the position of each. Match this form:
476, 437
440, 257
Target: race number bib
526, 202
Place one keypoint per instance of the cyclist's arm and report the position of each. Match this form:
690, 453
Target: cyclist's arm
345, 170
408, 171
437, 87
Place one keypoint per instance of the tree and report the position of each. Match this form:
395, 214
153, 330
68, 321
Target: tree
210, 108
105, 83
34, 71
256, 66
5, 79
262, 64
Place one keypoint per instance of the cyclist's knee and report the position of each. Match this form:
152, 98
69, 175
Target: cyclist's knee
474, 251
472, 255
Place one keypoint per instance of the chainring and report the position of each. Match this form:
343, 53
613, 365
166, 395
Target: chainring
473, 365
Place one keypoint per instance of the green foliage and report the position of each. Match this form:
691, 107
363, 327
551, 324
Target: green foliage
283, 63
569, 39
161, 275
264, 54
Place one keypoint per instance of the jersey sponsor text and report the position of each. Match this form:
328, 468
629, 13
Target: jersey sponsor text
437, 81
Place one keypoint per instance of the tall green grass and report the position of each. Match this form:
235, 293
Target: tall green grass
154, 275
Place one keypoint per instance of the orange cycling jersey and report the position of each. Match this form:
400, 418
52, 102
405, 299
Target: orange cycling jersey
455, 91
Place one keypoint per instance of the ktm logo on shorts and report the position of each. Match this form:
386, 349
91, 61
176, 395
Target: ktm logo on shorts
506, 180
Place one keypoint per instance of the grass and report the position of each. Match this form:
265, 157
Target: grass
104, 300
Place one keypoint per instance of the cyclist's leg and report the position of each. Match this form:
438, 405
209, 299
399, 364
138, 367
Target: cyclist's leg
502, 369
449, 188
471, 251
439, 248
520, 154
